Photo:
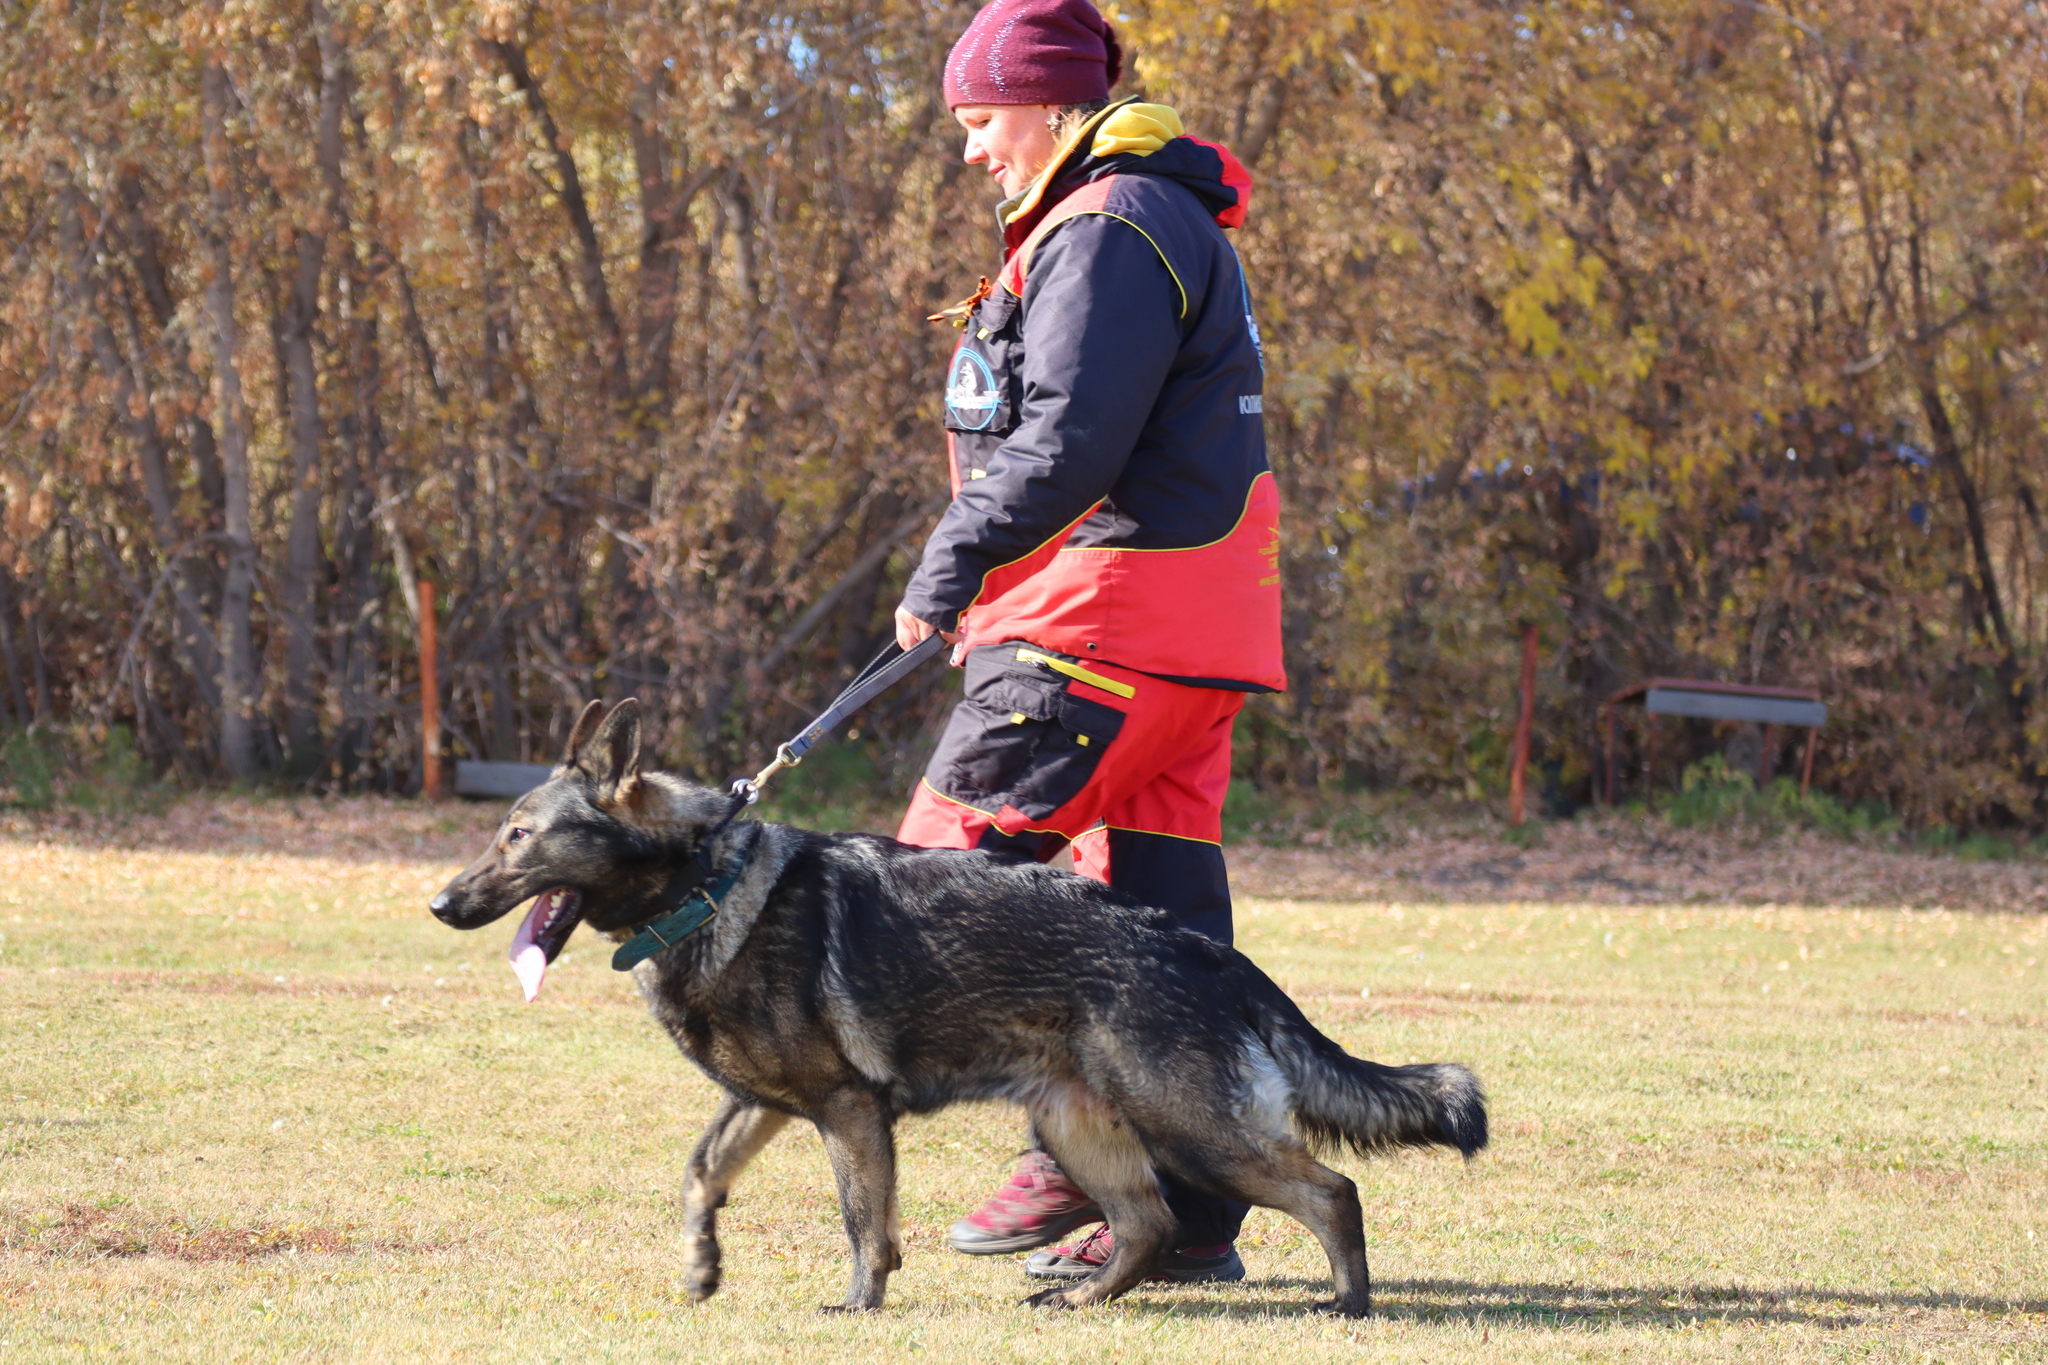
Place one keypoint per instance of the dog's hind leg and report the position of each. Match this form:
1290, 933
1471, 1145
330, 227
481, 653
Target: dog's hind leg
738, 1131
1284, 1176
1103, 1156
861, 1143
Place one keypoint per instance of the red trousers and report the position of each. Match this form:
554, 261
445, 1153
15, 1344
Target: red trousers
1048, 749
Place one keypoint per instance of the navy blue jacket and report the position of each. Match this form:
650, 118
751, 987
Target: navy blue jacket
1103, 412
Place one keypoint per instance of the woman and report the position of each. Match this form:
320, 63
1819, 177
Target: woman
1108, 565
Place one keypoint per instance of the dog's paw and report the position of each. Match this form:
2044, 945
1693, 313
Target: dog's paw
1049, 1298
1361, 1309
701, 1274
850, 1308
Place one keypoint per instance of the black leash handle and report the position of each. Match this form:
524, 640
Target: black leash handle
883, 672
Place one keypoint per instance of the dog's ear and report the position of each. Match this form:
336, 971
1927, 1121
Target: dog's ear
612, 760
580, 736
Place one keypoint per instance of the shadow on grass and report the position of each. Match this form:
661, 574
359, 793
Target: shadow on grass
1571, 1305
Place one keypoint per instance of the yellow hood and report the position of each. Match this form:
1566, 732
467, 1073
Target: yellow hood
1139, 128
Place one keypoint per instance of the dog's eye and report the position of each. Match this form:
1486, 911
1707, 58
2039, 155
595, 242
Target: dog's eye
518, 835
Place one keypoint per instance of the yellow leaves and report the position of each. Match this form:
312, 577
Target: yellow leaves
1180, 42
1638, 511
1626, 445
2020, 193
1645, 344
1526, 314
1556, 274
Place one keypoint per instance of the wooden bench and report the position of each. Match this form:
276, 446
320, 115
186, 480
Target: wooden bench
1769, 707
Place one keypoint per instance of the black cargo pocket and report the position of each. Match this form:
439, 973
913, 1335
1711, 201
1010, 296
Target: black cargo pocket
1019, 739
982, 383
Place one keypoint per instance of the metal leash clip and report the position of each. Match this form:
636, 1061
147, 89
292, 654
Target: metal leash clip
750, 787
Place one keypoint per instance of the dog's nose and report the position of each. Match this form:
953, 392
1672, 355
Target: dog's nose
439, 903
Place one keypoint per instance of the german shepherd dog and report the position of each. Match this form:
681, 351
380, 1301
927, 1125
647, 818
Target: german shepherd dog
849, 979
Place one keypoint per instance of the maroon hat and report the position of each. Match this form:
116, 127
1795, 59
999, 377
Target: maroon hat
1034, 52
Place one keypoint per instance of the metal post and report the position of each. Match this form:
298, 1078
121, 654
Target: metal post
1519, 773
430, 697
1806, 778
1767, 760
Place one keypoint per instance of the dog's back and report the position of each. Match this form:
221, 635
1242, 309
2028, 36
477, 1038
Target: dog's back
973, 977
1049, 946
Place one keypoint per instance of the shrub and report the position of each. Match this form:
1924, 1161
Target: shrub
1284, 817
1713, 793
29, 763
40, 767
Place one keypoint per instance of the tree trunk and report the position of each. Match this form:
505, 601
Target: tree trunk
146, 253
194, 634
240, 676
302, 541
10, 656
302, 569
590, 253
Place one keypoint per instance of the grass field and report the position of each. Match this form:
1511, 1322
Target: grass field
262, 1107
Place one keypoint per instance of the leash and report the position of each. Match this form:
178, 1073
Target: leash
698, 907
882, 673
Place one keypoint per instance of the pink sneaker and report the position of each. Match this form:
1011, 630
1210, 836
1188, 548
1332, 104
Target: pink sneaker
1189, 1265
1039, 1205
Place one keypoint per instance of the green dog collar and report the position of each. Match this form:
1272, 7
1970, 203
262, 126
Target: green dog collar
696, 911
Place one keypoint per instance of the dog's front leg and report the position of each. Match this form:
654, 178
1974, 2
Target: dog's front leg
861, 1142
738, 1131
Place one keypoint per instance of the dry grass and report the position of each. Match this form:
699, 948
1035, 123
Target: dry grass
259, 1106
1613, 858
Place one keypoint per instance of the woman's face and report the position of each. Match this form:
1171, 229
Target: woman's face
1012, 140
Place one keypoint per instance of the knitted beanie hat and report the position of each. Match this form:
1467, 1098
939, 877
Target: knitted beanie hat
1034, 52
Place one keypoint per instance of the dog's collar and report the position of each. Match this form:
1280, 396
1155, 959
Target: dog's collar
696, 911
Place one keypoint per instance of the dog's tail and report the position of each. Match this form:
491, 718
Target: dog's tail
1339, 1100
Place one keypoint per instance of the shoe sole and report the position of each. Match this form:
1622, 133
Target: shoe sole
1010, 1246
1228, 1273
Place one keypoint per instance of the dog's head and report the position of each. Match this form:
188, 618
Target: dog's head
595, 843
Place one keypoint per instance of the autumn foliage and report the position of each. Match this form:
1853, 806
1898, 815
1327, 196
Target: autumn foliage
1706, 335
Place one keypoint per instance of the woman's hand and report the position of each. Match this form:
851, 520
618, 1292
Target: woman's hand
910, 630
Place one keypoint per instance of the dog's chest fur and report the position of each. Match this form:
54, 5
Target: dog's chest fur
739, 997
753, 1026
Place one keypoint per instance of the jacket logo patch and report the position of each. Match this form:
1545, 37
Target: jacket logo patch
1249, 403
970, 392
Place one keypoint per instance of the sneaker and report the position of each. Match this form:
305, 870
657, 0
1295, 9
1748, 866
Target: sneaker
1039, 1206
1189, 1265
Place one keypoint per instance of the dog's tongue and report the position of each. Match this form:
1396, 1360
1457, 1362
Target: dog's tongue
529, 959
